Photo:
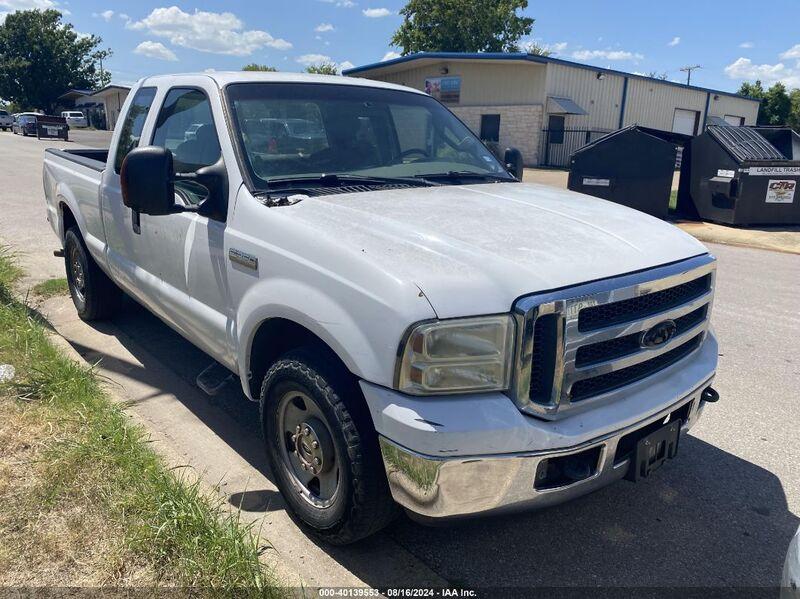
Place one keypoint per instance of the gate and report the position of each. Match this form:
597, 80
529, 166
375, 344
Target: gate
557, 145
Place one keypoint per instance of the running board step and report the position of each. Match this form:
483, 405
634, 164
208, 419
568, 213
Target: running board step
214, 378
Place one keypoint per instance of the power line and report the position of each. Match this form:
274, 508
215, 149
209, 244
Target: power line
688, 71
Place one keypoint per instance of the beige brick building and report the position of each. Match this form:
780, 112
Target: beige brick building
548, 107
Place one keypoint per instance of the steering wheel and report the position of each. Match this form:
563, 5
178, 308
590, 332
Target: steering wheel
411, 151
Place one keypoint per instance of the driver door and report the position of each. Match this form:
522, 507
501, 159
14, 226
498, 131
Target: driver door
184, 253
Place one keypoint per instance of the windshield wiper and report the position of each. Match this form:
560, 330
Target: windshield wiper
459, 175
338, 180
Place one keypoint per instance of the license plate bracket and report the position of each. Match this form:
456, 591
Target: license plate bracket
654, 450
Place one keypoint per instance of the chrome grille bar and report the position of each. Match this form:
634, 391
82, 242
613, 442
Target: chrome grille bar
567, 304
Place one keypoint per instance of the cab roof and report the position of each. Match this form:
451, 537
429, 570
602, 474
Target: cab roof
223, 78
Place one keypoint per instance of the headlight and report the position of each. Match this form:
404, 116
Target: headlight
457, 356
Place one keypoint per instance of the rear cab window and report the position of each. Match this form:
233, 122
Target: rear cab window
133, 125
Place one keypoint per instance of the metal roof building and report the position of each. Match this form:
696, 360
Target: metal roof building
549, 107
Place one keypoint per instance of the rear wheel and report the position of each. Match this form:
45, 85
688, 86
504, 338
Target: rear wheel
95, 296
322, 448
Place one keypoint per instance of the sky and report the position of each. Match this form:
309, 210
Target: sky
732, 40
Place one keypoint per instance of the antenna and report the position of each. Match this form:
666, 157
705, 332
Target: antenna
688, 71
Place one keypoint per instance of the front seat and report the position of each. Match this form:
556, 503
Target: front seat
201, 151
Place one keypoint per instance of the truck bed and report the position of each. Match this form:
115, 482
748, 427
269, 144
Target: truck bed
72, 180
92, 158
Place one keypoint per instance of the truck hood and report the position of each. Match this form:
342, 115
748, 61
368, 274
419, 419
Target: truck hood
475, 249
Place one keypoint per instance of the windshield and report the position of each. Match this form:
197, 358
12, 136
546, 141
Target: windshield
307, 130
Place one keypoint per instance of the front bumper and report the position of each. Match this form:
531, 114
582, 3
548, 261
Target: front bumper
436, 487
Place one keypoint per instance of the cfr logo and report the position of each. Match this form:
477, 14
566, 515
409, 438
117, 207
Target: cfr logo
782, 185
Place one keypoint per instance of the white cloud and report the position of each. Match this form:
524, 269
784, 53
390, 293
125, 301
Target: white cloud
376, 13
9, 6
747, 45
106, 15
793, 52
309, 59
155, 50
607, 55
340, 3
343, 66
323, 27
391, 55
124, 16
744, 68
674, 41
12, 5
219, 33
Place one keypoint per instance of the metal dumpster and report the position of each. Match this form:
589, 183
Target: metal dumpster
632, 166
742, 176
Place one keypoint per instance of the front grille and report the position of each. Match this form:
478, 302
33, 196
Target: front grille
618, 378
644, 305
584, 342
545, 335
620, 347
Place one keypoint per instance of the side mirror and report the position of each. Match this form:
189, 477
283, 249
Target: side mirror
146, 179
513, 161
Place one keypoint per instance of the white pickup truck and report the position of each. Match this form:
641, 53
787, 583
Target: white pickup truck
419, 327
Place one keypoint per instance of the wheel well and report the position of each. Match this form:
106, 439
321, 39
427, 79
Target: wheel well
67, 219
274, 338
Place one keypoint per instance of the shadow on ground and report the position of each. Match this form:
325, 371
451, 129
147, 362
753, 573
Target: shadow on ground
708, 518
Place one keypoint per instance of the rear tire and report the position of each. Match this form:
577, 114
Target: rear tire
322, 448
95, 296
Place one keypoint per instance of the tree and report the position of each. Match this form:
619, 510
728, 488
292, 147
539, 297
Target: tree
794, 113
462, 26
259, 67
536, 49
654, 75
775, 102
41, 58
775, 106
753, 90
325, 68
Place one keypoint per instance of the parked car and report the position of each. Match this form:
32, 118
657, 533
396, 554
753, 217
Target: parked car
419, 327
790, 583
6, 120
75, 118
24, 124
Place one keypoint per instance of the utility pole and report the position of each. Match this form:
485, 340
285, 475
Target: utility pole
688, 71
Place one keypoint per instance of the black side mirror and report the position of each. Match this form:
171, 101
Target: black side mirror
146, 179
513, 160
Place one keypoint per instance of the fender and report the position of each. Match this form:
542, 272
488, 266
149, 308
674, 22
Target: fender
357, 334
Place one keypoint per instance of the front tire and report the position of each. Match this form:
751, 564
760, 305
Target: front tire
323, 449
95, 296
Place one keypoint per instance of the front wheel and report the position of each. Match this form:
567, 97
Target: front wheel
322, 448
95, 296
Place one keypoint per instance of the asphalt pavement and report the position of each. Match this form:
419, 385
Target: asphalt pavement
720, 515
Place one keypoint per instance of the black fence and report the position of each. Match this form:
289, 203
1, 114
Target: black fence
557, 145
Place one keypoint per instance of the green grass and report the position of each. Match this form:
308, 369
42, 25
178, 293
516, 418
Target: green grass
91, 496
51, 288
673, 200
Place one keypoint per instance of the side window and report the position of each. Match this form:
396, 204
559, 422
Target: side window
185, 126
134, 122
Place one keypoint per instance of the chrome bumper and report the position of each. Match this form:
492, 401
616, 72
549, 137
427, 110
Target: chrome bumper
435, 487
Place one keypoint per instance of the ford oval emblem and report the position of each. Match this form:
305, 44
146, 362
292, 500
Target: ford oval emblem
659, 334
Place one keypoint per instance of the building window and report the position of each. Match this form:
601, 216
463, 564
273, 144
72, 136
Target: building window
686, 121
555, 129
736, 121
490, 127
